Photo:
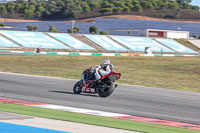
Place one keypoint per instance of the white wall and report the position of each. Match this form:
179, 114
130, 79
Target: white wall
177, 35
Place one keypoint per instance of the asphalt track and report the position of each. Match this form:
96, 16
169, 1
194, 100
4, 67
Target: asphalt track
158, 103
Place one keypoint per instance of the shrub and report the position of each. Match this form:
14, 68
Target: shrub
32, 27
93, 29
69, 30
194, 36
52, 28
2, 25
103, 33
75, 30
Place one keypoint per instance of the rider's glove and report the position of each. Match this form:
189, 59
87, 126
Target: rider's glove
89, 69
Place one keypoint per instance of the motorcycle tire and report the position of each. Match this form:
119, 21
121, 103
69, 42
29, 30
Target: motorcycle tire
108, 91
78, 87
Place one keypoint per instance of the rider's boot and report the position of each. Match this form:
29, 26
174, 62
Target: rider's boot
116, 85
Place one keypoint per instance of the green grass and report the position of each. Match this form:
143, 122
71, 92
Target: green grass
91, 119
181, 73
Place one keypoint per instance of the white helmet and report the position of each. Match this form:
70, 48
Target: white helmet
106, 61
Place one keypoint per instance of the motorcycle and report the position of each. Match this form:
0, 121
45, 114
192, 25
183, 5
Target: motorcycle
104, 89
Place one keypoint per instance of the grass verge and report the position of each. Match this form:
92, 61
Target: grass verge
91, 119
181, 73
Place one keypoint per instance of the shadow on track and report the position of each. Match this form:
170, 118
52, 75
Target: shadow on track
65, 92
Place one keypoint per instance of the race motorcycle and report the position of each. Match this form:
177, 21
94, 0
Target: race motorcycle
104, 88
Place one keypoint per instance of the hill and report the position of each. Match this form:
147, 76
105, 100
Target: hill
81, 9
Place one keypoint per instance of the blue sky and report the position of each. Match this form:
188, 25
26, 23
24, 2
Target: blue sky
195, 2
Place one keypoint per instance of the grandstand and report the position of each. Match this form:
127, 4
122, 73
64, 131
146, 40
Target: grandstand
140, 43
90, 43
71, 41
106, 43
175, 45
7, 43
33, 40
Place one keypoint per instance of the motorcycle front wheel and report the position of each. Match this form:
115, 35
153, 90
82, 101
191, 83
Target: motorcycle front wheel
78, 87
107, 91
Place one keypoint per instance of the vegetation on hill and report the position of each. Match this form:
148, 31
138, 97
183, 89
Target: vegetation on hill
76, 9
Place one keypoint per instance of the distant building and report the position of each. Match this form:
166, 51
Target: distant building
165, 33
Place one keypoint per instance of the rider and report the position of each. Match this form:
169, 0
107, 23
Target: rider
101, 70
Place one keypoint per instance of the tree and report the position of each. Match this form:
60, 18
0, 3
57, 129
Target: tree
32, 8
173, 5
182, 1
85, 7
186, 5
75, 30
106, 10
2, 25
126, 9
94, 4
32, 27
150, 6
28, 13
194, 36
129, 5
93, 29
195, 8
103, 33
29, 27
52, 28
38, 14
40, 8
35, 28
117, 10
106, 4
69, 30
164, 6
3, 9
138, 8
73, 9
144, 4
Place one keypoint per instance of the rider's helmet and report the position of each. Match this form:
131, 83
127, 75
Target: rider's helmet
106, 61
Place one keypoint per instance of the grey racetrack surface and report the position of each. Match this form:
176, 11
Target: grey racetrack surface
133, 100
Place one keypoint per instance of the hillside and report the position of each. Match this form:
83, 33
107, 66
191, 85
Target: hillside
82, 9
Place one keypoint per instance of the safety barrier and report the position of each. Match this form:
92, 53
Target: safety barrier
94, 54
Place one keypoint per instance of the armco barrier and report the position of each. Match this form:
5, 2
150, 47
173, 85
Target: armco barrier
95, 54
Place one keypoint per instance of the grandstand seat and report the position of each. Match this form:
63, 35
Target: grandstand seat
71, 41
106, 42
140, 43
33, 39
175, 45
7, 43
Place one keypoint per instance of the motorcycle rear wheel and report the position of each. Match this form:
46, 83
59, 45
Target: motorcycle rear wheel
78, 87
108, 91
